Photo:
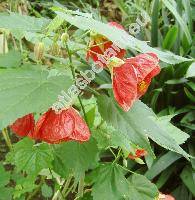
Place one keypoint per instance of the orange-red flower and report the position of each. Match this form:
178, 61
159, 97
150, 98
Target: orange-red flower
146, 66
131, 79
101, 48
138, 154
23, 126
58, 127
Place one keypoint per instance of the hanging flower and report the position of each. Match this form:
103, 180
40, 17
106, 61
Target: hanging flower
23, 126
132, 77
58, 127
101, 48
138, 154
147, 67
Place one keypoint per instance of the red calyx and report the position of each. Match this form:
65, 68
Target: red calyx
132, 79
138, 154
23, 126
58, 127
102, 47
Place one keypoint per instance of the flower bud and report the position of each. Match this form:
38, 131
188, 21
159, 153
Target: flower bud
55, 49
115, 62
64, 37
39, 50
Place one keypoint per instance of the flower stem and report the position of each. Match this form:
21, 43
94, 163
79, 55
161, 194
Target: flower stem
7, 139
74, 76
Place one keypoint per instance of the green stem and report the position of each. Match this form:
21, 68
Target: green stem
7, 139
118, 156
66, 185
69, 190
74, 76
81, 187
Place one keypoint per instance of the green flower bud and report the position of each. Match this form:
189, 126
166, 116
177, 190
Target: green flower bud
64, 37
39, 50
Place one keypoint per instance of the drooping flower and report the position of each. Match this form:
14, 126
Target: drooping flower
147, 66
67, 125
132, 77
138, 154
101, 48
23, 126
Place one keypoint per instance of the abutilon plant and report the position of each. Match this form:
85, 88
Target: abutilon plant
66, 135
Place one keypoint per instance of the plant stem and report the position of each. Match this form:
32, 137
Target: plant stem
66, 185
81, 187
118, 156
74, 76
7, 139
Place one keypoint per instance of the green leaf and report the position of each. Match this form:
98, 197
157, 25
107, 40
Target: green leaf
24, 91
191, 71
17, 22
120, 37
6, 193
141, 188
11, 59
75, 158
170, 38
4, 176
187, 178
31, 158
170, 5
139, 123
189, 95
91, 116
154, 27
164, 122
112, 184
161, 164
46, 191
122, 122
107, 136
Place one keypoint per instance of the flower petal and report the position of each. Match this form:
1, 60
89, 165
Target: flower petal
64, 126
125, 85
147, 67
23, 126
145, 64
100, 46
